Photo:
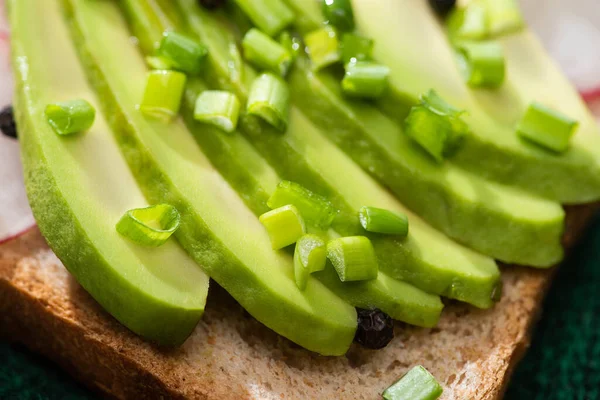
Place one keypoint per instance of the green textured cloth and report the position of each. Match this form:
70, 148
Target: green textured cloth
562, 364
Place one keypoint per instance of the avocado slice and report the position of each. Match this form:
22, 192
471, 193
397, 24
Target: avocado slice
416, 259
460, 204
71, 184
400, 300
217, 229
493, 150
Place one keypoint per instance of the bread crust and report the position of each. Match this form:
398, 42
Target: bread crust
232, 356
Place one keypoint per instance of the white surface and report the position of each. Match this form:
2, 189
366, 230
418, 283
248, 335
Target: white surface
15, 215
570, 31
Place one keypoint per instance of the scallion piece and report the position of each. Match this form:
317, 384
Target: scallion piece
265, 53
150, 226
157, 62
270, 16
356, 48
284, 226
353, 258
235, 64
182, 53
269, 99
69, 117
503, 17
365, 79
291, 43
547, 127
378, 220
310, 256
436, 126
482, 63
218, 108
316, 210
470, 22
162, 97
339, 14
322, 46
416, 384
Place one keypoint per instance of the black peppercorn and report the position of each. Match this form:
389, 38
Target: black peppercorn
375, 329
212, 4
7, 122
442, 7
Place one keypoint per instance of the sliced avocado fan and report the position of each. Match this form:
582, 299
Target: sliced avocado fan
217, 229
493, 149
254, 181
496, 220
79, 187
426, 258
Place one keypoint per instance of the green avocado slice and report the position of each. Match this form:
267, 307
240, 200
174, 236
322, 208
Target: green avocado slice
253, 180
499, 221
217, 229
493, 149
426, 258
79, 187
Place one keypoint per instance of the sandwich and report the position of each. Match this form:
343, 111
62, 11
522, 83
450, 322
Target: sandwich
348, 179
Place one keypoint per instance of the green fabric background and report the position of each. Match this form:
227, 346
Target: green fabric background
562, 364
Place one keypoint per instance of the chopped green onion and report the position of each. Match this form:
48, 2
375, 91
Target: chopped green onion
339, 14
322, 46
162, 97
266, 53
378, 220
356, 48
270, 16
316, 210
150, 226
284, 226
504, 17
482, 63
310, 256
157, 62
353, 258
235, 64
436, 126
269, 99
469, 23
365, 79
291, 43
547, 127
416, 384
218, 108
71, 116
182, 53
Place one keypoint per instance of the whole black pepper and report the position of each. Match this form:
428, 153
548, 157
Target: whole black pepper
212, 4
7, 122
442, 7
375, 329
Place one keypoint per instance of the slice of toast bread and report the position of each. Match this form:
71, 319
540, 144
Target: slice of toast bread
232, 356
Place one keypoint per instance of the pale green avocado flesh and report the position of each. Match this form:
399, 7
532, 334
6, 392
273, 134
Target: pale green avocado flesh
507, 224
218, 230
493, 149
254, 183
498, 221
79, 187
314, 162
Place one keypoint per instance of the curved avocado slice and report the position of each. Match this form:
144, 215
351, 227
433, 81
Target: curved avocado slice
254, 181
491, 218
493, 150
217, 229
79, 187
316, 163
